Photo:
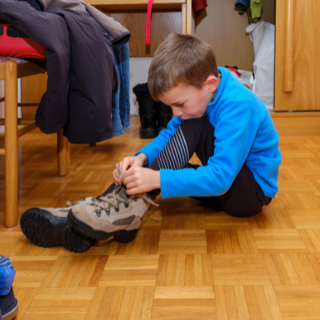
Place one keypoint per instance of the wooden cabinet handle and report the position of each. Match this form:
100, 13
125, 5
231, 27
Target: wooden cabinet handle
288, 70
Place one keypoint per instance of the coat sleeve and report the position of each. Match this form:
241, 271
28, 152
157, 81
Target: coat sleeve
118, 34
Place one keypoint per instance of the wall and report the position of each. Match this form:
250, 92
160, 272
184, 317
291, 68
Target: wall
224, 29
2, 113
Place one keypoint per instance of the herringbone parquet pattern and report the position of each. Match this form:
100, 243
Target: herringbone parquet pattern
188, 260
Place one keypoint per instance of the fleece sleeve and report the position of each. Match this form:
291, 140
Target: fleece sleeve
152, 150
232, 132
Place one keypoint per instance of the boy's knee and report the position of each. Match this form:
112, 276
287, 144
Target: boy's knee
243, 213
197, 124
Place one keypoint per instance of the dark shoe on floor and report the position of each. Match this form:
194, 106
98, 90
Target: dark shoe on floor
48, 227
147, 111
8, 306
164, 115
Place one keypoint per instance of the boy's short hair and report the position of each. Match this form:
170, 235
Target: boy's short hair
180, 59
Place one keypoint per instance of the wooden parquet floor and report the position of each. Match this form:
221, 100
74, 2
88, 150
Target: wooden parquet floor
188, 261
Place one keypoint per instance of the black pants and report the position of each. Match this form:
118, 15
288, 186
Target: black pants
245, 197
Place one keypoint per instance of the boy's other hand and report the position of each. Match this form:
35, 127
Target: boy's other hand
116, 177
129, 162
140, 180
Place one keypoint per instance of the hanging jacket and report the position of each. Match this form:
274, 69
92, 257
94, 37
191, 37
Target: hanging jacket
80, 70
118, 34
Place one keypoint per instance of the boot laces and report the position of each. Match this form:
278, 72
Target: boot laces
113, 200
70, 204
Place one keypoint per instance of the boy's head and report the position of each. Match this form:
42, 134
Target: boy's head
184, 75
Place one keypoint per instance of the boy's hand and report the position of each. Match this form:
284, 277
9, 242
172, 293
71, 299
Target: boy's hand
129, 162
139, 180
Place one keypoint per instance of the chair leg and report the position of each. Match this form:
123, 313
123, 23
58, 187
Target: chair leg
63, 146
68, 155
11, 144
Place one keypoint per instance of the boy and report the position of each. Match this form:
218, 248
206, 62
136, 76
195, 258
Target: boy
215, 116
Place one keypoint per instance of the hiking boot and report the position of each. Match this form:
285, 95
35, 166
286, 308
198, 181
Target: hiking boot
8, 302
115, 214
164, 115
48, 227
147, 111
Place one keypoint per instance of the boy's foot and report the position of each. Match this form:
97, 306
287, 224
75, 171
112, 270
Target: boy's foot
8, 303
48, 227
7, 274
115, 214
9, 306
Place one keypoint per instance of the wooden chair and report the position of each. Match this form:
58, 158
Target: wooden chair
10, 71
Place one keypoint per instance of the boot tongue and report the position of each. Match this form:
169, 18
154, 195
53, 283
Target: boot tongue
122, 192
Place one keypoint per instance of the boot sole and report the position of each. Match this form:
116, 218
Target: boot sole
13, 312
42, 228
75, 242
45, 230
122, 236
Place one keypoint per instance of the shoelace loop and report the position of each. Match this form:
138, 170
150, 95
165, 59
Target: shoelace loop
111, 201
70, 204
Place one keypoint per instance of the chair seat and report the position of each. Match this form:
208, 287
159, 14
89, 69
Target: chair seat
3, 60
25, 67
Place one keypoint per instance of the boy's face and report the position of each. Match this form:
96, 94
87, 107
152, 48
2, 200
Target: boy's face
189, 102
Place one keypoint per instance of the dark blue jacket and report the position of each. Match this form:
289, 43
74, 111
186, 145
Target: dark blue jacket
81, 71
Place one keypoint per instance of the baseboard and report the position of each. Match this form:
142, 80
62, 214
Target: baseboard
296, 123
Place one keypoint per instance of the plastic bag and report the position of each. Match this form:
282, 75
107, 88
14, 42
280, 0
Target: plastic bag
245, 77
262, 35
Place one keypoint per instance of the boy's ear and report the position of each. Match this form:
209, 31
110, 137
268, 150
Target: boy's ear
212, 83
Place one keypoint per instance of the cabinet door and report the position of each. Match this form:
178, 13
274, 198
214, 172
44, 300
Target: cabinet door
297, 65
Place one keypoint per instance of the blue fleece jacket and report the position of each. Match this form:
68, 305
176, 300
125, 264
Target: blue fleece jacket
244, 133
